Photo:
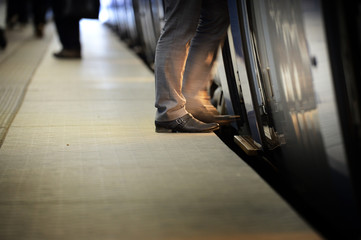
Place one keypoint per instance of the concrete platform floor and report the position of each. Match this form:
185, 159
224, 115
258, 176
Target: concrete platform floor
81, 160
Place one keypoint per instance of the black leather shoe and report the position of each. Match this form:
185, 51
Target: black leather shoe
68, 54
187, 123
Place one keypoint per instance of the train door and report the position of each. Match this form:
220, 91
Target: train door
288, 101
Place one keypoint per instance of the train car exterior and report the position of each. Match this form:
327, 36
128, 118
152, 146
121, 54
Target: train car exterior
281, 65
289, 68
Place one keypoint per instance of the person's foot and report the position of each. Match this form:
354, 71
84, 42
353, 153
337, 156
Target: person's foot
68, 54
220, 119
209, 114
3, 41
39, 30
187, 123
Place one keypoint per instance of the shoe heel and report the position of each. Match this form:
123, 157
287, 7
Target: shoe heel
163, 130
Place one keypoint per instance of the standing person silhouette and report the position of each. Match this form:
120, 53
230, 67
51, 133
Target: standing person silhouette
68, 31
185, 55
67, 14
3, 9
18, 11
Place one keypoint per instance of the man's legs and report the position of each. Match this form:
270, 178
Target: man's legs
67, 27
182, 18
69, 33
210, 34
3, 41
39, 8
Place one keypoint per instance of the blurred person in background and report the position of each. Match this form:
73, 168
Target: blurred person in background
20, 11
3, 8
67, 14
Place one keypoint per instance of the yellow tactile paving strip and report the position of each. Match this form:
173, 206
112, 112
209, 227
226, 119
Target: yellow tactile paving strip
17, 65
82, 161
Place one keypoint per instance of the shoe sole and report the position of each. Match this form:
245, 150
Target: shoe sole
164, 130
167, 130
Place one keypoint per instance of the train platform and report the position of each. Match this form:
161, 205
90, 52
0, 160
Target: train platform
80, 159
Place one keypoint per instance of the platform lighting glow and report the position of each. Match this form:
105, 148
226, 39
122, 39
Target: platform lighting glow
103, 14
105, 3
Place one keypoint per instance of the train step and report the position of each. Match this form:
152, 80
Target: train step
247, 144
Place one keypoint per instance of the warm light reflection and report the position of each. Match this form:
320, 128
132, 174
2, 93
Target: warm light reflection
304, 122
287, 82
295, 125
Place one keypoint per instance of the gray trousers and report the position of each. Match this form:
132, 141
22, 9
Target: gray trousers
186, 52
